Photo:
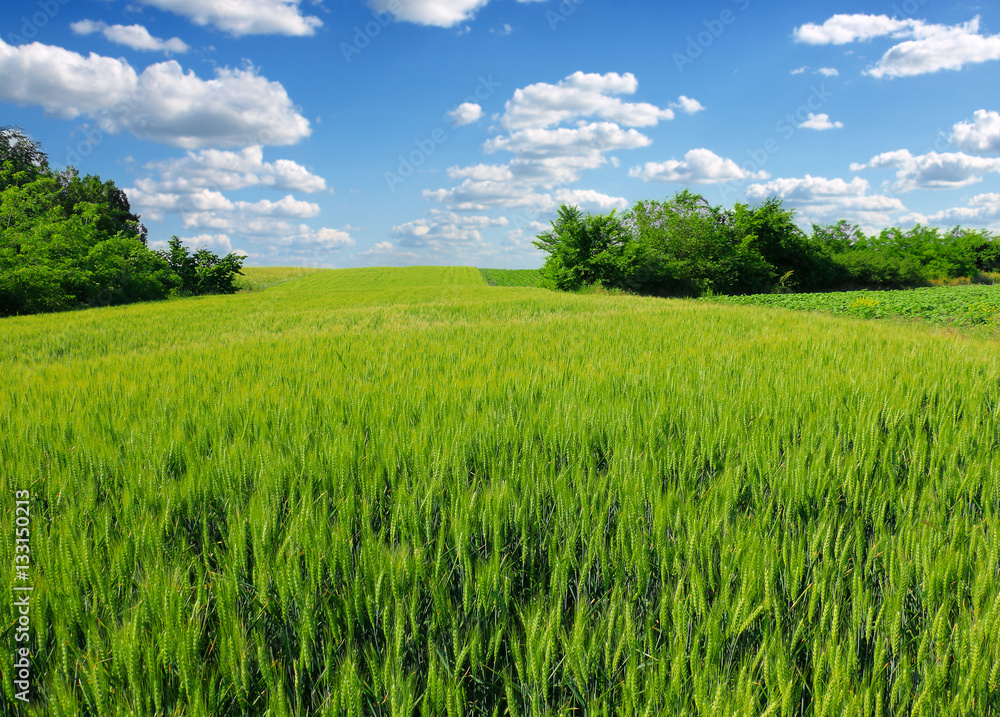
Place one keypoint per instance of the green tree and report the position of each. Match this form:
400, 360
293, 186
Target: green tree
202, 272
67, 242
585, 250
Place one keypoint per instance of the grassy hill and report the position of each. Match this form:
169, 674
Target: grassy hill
403, 491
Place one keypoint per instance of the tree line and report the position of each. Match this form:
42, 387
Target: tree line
683, 246
69, 242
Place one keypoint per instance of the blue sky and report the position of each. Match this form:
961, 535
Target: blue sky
352, 133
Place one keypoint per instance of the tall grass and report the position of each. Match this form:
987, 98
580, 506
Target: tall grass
397, 492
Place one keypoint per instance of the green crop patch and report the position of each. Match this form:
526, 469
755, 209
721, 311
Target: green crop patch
513, 277
969, 305
402, 492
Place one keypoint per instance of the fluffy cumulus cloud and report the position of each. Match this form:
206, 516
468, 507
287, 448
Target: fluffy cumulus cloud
584, 95
63, 83
590, 199
981, 136
934, 170
135, 36
550, 135
211, 209
820, 122
244, 17
270, 240
555, 132
587, 140
819, 199
843, 28
981, 210
699, 166
444, 228
236, 108
225, 170
439, 13
924, 47
687, 105
465, 113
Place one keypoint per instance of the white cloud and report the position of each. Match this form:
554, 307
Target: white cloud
819, 199
699, 166
439, 13
827, 72
687, 105
479, 196
63, 83
590, 199
586, 140
938, 47
820, 122
842, 29
981, 136
465, 113
482, 173
799, 70
212, 209
135, 36
224, 170
580, 96
236, 108
547, 156
982, 210
244, 17
444, 228
926, 47
269, 239
934, 170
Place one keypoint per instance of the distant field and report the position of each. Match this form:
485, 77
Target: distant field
402, 492
512, 277
256, 278
969, 305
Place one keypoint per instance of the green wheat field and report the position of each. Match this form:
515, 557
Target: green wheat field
407, 492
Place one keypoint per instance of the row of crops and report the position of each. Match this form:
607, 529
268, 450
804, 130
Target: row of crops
403, 492
512, 277
969, 305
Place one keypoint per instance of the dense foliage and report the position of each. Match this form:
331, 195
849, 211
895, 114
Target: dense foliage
400, 492
685, 247
68, 241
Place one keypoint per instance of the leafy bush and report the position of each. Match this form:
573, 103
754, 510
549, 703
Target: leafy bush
586, 249
686, 247
202, 272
